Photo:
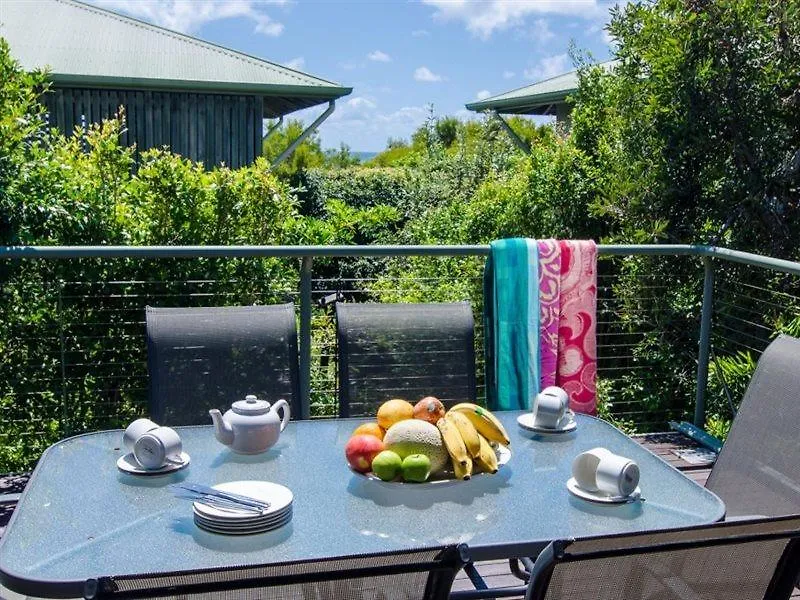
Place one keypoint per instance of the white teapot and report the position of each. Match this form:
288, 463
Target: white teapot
251, 425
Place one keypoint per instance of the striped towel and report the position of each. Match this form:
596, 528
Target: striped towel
540, 322
511, 324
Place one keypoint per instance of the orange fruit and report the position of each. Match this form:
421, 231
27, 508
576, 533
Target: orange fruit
393, 411
369, 429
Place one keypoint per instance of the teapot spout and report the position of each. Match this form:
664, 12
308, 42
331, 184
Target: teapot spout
222, 429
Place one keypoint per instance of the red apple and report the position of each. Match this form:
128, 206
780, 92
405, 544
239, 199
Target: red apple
360, 450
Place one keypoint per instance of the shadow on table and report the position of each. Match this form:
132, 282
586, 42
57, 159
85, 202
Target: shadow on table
232, 543
625, 512
229, 456
153, 481
424, 495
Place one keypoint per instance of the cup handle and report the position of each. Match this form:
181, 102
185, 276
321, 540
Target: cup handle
286, 412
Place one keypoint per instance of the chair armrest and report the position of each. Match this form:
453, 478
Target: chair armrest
540, 573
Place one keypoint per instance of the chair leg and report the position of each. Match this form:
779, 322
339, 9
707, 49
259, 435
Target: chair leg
475, 577
523, 572
483, 591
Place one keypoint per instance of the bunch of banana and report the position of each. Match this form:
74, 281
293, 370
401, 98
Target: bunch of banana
467, 430
484, 422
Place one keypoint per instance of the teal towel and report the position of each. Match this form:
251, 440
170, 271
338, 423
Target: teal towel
511, 324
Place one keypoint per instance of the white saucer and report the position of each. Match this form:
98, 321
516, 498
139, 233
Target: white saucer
129, 464
279, 497
225, 530
574, 488
255, 523
527, 422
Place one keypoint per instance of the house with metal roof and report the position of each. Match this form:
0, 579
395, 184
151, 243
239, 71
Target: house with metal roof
548, 97
204, 101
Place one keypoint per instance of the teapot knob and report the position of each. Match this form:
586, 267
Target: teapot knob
250, 399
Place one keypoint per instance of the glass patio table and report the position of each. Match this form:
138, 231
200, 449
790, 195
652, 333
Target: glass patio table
81, 517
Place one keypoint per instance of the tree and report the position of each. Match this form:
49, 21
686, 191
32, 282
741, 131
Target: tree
700, 126
447, 129
341, 158
307, 155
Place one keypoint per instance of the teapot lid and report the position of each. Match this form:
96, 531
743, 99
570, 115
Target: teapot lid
250, 406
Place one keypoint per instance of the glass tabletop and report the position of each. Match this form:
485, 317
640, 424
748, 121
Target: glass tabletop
80, 517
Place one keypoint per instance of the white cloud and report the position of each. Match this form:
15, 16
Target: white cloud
508, 74
425, 74
548, 67
360, 102
484, 18
362, 121
540, 32
483, 94
417, 33
189, 16
379, 56
296, 63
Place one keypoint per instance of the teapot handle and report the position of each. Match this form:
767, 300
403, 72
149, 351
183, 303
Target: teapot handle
286, 413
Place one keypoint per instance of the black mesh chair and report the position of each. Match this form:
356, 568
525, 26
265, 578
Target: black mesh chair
404, 351
202, 358
745, 560
425, 574
758, 470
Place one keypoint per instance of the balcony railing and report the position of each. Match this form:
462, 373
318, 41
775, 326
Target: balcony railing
73, 345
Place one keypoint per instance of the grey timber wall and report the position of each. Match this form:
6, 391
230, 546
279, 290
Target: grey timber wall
208, 128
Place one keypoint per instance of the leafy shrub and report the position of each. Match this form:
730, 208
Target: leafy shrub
356, 187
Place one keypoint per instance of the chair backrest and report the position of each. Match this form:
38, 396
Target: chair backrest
758, 470
739, 560
404, 351
424, 574
202, 358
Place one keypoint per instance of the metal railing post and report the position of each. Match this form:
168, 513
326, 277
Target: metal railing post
305, 336
705, 342
66, 428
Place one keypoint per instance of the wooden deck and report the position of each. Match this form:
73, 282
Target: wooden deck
495, 573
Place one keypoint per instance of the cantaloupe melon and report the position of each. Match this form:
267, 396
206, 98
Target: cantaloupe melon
414, 436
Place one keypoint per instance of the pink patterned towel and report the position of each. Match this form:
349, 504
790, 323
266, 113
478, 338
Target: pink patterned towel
549, 304
577, 324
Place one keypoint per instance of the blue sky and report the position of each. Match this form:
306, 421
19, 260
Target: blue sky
398, 56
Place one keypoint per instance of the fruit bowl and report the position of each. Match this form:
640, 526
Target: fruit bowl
446, 475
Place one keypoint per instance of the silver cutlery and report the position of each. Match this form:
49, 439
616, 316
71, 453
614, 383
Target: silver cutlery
209, 495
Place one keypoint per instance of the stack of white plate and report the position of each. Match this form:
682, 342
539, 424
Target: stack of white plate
231, 521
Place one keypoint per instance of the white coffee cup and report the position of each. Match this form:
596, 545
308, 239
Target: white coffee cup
600, 470
136, 430
617, 475
158, 447
549, 407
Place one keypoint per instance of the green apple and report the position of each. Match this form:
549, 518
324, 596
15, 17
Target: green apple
416, 467
387, 465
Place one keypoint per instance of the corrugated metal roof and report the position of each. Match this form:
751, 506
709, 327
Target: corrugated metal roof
535, 98
84, 46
